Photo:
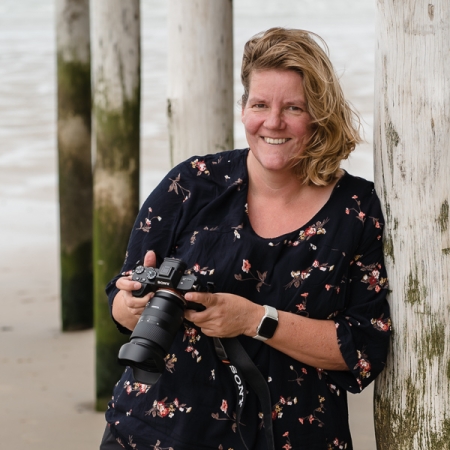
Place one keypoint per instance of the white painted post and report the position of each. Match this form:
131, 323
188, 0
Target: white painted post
117, 88
412, 177
200, 79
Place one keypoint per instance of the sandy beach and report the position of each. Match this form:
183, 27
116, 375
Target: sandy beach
46, 376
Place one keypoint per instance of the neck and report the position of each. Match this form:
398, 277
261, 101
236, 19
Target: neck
281, 185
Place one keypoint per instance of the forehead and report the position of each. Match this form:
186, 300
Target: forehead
273, 81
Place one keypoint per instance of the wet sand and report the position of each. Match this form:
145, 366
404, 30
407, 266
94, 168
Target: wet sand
46, 376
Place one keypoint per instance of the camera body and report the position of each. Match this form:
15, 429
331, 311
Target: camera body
170, 275
162, 317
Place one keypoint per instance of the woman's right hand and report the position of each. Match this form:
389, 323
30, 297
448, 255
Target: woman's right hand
126, 309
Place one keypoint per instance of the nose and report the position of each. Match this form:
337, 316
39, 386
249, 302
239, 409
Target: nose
274, 119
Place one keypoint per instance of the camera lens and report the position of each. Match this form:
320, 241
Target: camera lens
153, 336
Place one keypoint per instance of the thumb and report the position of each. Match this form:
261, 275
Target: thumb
150, 259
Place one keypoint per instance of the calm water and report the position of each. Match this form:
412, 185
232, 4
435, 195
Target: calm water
27, 80
28, 177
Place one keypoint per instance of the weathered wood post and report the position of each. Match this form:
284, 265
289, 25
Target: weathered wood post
117, 88
74, 160
200, 78
412, 176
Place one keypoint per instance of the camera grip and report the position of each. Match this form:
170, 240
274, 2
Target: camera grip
140, 292
195, 306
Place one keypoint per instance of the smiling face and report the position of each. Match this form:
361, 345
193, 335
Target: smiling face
275, 117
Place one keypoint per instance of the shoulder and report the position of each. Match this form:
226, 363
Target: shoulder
222, 168
202, 177
357, 190
358, 185
213, 161
362, 207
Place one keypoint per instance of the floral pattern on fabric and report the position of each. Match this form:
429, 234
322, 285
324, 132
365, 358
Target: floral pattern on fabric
176, 187
192, 336
138, 388
260, 278
372, 278
311, 231
225, 415
146, 225
329, 269
200, 166
314, 417
162, 408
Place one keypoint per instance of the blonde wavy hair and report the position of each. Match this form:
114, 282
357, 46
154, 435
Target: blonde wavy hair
335, 125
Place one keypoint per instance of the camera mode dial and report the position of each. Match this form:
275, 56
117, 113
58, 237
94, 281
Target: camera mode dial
151, 273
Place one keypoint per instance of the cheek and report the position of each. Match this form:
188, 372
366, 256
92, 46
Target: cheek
304, 129
251, 124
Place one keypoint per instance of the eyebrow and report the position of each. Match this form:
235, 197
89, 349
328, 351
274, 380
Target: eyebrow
295, 102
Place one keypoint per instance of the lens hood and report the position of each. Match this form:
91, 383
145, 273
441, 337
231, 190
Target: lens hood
147, 363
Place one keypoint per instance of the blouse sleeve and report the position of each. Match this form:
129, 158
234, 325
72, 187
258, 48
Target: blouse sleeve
364, 326
155, 224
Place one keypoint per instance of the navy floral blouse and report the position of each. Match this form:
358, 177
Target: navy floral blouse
332, 269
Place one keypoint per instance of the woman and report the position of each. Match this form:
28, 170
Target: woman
293, 246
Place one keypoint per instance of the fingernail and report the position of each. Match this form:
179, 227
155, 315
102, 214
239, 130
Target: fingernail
188, 296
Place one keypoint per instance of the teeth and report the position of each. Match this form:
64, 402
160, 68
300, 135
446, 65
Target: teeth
275, 141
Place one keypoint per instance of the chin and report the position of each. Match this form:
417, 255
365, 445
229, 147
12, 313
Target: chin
277, 166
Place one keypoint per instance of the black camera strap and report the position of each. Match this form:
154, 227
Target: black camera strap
243, 369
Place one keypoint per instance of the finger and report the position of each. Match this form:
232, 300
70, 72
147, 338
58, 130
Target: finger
200, 297
126, 284
150, 259
135, 302
191, 315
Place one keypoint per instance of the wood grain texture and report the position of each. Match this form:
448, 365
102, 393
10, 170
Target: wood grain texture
412, 177
200, 77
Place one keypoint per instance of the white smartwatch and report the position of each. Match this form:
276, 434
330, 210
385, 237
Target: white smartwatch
268, 325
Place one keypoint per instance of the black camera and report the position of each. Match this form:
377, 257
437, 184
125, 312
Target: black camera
162, 317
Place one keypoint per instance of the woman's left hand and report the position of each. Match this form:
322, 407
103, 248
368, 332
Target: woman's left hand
226, 315
311, 341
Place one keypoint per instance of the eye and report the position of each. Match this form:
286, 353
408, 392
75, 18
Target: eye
259, 106
295, 108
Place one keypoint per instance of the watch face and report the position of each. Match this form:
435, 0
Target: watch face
268, 327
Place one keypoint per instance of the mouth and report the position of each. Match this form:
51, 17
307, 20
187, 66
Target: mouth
275, 141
